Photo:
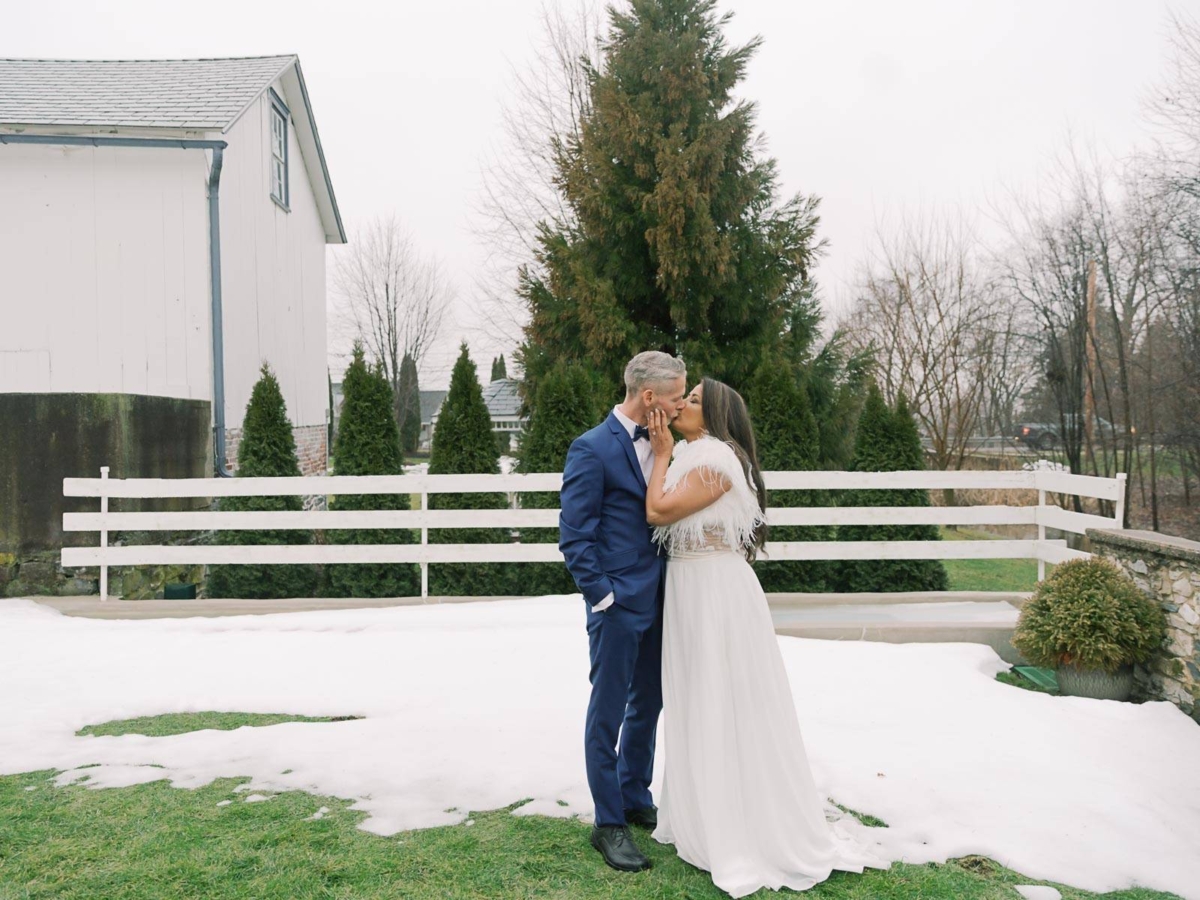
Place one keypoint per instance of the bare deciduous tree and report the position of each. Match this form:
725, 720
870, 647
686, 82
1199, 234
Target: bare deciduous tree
1089, 216
548, 103
391, 297
928, 308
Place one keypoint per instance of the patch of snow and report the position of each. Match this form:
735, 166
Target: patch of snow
1037, 892
110, 776
1083, 792
257, 798
319, 814
224, 803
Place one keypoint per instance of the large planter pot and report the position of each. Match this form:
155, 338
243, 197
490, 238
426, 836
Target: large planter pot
1095, 683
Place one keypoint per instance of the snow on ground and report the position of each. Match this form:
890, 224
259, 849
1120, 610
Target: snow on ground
476, 706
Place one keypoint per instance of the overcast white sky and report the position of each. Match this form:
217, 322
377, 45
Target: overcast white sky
876, 106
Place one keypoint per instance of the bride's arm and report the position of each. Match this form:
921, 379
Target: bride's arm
699, 488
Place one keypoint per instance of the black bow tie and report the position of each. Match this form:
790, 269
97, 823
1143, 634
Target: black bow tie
640, 432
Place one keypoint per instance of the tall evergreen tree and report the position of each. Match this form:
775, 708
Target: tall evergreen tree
368, 443
888, 441
408, 407
675, 238
565, 407
499, 368
267, 448
788, 440
463, 445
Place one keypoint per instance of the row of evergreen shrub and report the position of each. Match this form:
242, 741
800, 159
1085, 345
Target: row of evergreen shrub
567, 403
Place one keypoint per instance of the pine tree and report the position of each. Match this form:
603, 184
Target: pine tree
788, 440
267, 448
675, 238
565, 407
463, 445
499, 368
368, 443
888, 441
408, 407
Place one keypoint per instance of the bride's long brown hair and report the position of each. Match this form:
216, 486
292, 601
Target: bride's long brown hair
727, 419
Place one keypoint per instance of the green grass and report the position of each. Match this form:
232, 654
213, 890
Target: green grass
868, 820
156, 842
180, 723
987, 574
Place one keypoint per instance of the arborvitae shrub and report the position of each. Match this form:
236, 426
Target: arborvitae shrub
368, 443
565, 407
463, 444
267, 448
788, 440
888, 441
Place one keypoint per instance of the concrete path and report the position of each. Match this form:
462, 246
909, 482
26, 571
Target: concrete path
899, 618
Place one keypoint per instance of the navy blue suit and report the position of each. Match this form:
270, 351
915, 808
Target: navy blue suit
608, 548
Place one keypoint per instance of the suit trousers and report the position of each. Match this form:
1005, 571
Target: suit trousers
622, 714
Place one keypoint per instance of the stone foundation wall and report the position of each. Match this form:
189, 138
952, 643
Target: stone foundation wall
1168, 569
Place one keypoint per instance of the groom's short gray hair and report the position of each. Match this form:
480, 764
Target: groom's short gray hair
652, 369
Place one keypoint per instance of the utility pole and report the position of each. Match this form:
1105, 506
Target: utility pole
1089, 400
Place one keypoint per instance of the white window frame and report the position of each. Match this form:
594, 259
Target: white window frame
278, 153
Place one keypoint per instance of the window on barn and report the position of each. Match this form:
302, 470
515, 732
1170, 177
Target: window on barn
279, 154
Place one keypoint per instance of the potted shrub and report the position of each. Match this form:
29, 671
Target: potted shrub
1090, 623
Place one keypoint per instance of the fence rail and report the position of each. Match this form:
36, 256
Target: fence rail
1042, 516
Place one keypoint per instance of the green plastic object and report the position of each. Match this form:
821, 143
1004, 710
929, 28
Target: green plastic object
1041, 677
179, 592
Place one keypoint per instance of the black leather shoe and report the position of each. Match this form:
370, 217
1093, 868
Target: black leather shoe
644, 818
618, 848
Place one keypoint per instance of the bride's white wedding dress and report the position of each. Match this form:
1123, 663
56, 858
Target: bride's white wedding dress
737, 797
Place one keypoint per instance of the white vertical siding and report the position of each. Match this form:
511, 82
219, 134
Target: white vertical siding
104, 271
274, 273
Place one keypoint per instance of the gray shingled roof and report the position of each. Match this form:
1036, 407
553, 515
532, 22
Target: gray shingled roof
502, 399
206, 94
431, 402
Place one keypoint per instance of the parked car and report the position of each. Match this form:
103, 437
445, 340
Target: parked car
1047, 436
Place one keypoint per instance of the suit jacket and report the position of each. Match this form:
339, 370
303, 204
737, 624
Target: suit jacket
603, 531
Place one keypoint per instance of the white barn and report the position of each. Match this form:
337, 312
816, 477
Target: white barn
140, 202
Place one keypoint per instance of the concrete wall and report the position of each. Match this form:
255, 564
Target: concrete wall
46, 437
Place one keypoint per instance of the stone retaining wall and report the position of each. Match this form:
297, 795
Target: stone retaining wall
1168, 569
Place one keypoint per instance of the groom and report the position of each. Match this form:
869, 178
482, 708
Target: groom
608, 548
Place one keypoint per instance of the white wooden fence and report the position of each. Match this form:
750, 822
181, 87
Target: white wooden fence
1042, 516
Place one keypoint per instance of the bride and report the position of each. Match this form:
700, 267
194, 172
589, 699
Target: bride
738, 798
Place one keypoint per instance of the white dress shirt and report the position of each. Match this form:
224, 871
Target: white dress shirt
645, 455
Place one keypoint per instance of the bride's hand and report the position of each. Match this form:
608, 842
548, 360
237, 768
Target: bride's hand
660, 433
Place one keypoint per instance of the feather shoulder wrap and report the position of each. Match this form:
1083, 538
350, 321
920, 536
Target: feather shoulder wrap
731, 520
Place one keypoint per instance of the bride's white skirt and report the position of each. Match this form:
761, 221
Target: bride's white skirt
737, 797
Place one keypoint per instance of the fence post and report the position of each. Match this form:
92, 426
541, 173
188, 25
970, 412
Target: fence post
103, 533
1041, 534
1119, 511
424, 543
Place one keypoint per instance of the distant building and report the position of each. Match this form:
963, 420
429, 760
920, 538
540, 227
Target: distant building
162, 234
335, 412
431, 402
503, 400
